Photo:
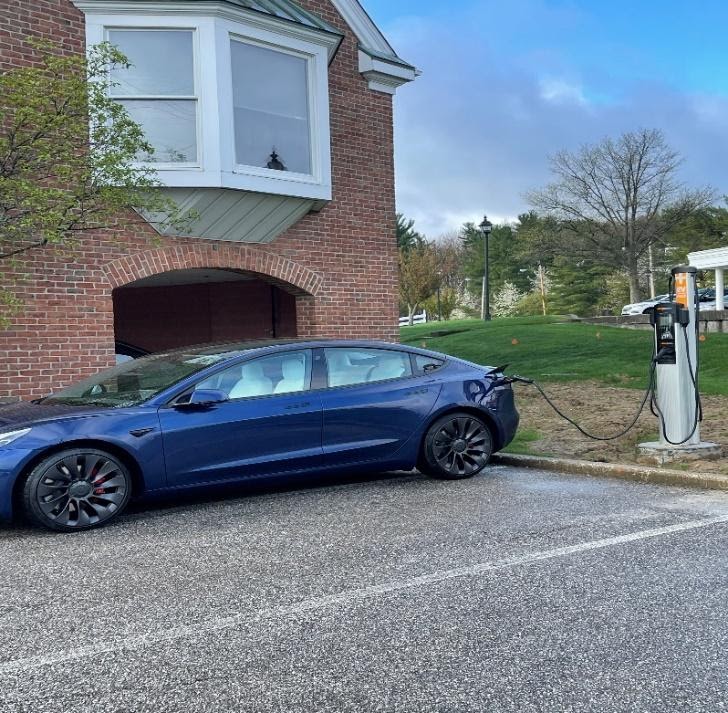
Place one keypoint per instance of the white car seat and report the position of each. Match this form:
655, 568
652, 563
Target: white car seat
342, 372
254, 382
294, 376
389, 367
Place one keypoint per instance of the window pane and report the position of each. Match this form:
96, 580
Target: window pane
279, 374
162, 63
365, 366
170, 126
270, 99
426, 363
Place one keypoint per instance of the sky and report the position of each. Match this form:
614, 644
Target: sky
506, 83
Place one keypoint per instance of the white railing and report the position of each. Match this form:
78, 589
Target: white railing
417, 319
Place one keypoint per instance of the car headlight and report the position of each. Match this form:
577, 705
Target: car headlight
10, 436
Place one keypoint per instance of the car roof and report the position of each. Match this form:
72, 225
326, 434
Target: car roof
241, 348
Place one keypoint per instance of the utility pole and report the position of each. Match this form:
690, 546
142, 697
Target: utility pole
542, 283
651, 259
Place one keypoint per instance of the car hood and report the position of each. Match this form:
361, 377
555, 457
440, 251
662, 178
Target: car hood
25, 413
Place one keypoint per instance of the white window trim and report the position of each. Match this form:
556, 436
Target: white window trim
318, 110
216, 166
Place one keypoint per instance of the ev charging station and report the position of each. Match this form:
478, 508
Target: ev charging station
676, 397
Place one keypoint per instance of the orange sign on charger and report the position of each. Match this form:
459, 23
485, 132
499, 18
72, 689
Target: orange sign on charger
681, 289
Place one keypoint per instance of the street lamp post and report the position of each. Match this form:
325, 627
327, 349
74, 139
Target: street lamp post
486, 228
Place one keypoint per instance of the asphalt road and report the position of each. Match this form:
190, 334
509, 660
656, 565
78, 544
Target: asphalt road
515, 591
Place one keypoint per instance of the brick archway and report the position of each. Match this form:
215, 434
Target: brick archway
289, 275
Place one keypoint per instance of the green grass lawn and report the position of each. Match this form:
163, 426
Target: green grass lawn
546, 349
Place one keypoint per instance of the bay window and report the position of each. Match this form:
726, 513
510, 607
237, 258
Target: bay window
229, 95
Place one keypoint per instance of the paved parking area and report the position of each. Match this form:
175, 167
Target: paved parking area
515, 591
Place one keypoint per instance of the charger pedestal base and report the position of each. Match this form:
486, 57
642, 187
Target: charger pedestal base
665, 453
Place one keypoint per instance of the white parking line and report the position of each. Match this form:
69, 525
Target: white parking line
342, 599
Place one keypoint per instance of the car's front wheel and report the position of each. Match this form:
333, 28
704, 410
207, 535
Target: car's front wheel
76, 489
455, 447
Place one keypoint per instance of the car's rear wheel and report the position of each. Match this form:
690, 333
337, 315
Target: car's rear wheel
76, 489
455, 447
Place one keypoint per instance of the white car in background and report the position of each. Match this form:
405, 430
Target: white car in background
643, 307
706, 295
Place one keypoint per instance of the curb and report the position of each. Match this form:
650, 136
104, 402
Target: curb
641, 474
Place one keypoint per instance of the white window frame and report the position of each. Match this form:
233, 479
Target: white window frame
169, 165
216, 166
312, 63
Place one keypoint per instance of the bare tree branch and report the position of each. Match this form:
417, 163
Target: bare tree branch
619, 197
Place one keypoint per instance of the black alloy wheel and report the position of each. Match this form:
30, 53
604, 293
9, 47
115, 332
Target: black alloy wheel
457, 446
76, 490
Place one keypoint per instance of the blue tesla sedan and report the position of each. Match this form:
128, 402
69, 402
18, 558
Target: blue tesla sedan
206, 416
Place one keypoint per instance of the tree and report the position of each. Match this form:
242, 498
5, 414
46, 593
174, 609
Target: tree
67, 153
407, 236
505, 301
706, 228
418, 277
505, 262
616, 198
577, 287
445, 306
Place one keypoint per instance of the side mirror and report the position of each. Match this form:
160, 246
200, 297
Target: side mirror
204, 397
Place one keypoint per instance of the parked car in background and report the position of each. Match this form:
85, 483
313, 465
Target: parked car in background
195, 418
643, 307
706, 295
126, 352
708, 300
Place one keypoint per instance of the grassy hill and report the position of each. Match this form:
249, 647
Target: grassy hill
547, 349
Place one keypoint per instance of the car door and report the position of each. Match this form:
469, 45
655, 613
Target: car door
373, 403
271, 423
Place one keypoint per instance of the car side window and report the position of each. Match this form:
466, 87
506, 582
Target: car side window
286, 373
427, 364
349, 366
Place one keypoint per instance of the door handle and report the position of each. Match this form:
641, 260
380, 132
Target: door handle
297, 406
417, 392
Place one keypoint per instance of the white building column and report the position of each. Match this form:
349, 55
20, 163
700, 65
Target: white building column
719, 288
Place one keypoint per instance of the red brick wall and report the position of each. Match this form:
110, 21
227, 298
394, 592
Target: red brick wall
348, 250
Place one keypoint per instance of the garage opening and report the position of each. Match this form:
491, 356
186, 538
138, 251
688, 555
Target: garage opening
181, 308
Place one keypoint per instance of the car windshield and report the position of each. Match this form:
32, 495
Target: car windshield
134, 382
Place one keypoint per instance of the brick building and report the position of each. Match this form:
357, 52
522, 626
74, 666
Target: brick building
230, 93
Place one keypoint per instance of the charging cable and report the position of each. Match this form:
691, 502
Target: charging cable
650, 392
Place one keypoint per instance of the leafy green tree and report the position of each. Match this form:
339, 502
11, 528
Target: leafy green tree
418, 277
445, 306
538, 239
530, 305
577, 287
407, 236
615, 294
67, 154
703, 230
505, 263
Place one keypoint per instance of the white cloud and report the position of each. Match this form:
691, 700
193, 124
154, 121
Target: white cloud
474, 132
559, 91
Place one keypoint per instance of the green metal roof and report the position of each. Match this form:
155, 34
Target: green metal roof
286, 10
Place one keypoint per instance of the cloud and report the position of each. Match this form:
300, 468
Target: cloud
560, 91
474, 132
